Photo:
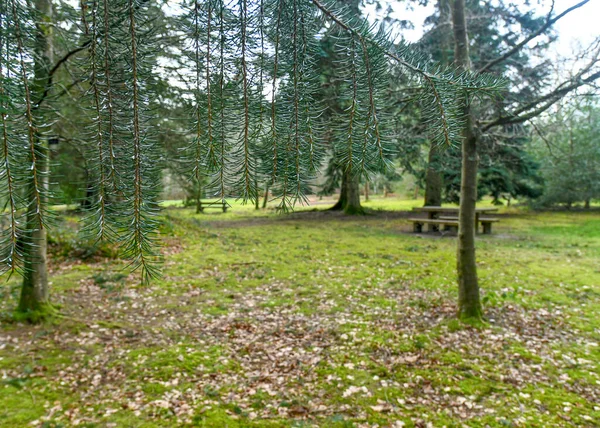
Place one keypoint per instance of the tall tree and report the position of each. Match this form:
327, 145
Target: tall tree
117, 44
567, 144
512, 112
34, 292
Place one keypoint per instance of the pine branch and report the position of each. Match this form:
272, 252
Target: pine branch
11, 258
102, 198
36, 196
110, 101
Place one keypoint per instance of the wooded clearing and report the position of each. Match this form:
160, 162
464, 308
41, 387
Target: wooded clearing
314, 319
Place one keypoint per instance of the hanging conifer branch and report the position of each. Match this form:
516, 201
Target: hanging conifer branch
140, 222
442, 86
296, 124
100, 222
310, 137
197, 53
11, 258
112, 175
209, 107
372, 119
352, 110
36, 197
274, 136
137, 181
223, 124
247, 191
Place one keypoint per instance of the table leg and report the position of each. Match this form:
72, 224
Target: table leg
432, 216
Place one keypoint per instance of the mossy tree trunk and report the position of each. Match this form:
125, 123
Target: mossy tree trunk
469, 304
349, 200
34, 301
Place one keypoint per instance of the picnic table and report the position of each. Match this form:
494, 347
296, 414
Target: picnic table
219, 204
448, 217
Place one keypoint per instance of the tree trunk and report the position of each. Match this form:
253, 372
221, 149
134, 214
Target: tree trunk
433, 179
367, 191
257, 200
469, 304
266, 197
587, 204
349, 200
34, 301
90, 194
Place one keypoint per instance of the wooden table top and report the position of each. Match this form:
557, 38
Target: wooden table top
451, 209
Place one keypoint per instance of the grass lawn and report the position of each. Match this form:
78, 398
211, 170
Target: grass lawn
314, 319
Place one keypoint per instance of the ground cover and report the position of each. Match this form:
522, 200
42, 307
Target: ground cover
314, 319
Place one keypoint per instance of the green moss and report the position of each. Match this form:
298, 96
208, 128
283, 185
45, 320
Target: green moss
387, 299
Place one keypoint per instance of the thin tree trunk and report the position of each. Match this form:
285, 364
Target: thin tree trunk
266, 197
469, 304
367, 191
34, 299
257, 200
587, 204
198, 201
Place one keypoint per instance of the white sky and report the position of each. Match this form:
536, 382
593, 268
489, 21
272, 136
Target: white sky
579, 27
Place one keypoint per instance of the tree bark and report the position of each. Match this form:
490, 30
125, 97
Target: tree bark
257, 200
266, 197
469, 304
349, 200
367, 191
433, 179
34, 300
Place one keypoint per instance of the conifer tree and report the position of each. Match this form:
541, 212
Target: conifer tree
254, 112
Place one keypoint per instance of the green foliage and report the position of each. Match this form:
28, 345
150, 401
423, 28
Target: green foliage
22, 193
506, 169
568, 147
255, 115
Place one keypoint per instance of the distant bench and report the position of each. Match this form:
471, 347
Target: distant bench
222, 205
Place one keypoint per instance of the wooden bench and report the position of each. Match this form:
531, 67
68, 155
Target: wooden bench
419, 222
486, 222
202, 205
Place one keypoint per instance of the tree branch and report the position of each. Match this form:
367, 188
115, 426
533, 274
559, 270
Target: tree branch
521, 44
54, 69
548, 100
